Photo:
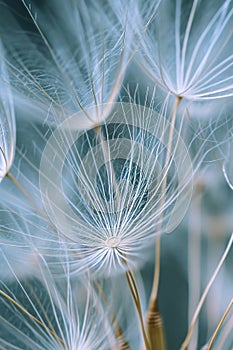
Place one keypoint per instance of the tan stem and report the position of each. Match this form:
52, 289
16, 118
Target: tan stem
154, 293
155, 328
136, 298
204, 295
220, 325
194, 251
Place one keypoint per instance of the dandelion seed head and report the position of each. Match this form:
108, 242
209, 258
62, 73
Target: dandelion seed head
70, 58
102, 187
61, 314
187, 48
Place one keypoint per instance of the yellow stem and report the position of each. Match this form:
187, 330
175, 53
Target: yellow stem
220, 325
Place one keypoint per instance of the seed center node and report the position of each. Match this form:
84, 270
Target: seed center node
112, 242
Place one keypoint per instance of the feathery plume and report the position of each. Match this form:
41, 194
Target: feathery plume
71, 56
45, 313
102, 188
187, 48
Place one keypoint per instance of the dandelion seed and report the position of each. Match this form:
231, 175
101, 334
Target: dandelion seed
187, 48
102, 189
7, 121
23, 235
74, 58
45, 313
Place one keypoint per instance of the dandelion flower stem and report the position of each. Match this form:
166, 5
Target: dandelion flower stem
154, 294
220, 324
194, 258
153, 304
135, 295
164, 184
204, 295
155, 328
